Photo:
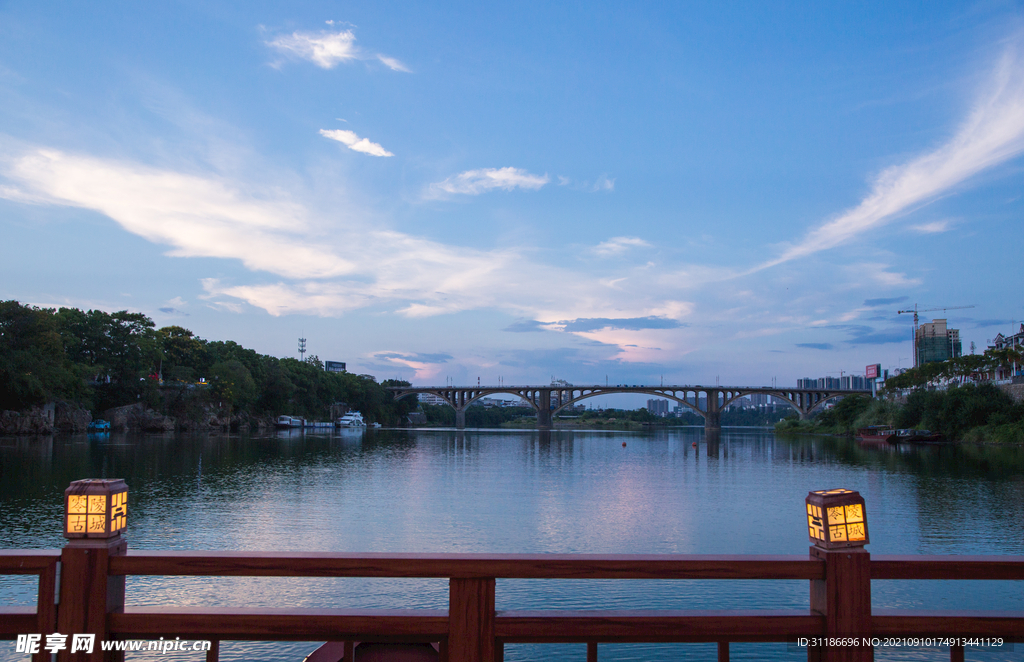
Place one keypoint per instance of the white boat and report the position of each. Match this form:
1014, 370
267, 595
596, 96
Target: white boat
287, 422
353, 419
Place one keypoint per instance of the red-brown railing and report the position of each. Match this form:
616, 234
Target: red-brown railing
471, 630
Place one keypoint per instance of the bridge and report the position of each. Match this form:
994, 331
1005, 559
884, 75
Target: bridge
547, 401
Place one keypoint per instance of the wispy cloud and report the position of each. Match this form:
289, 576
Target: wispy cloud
618, 245
628, 324
354, 142
475, 182
873, 303
326, 49
992, 134
815, 345
934, 227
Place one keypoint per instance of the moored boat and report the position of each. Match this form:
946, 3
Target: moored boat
353, 419
99, 425
287, 422
909, 436
878, 433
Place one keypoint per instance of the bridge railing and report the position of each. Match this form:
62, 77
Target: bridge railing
472, 630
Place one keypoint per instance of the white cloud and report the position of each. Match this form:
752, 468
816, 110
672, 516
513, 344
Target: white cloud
934, 227
354, 142
604, 183
618, 245
327, 49
991, 135
475, 182
324, 49
393, 63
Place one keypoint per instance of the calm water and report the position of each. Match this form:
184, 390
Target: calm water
523, 492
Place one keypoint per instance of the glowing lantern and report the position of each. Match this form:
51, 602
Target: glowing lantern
836, 518
95, 508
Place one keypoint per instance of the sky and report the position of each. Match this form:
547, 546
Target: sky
678, 193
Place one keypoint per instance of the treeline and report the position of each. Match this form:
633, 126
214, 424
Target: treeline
970, 413
100, 360
957, 371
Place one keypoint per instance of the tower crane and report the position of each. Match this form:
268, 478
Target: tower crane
925, 310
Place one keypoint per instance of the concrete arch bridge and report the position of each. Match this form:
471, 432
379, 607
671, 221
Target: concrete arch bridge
547, 401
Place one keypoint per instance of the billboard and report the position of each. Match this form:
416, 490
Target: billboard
873, 371
334, 366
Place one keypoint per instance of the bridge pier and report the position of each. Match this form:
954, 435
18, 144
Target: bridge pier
713, 415
544, 408
544, 418
460, 419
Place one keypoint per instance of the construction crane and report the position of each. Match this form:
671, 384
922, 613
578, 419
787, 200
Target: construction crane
925, 310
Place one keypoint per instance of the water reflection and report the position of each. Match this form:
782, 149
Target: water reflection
665, 491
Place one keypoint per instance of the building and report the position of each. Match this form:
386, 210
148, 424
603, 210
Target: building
334, 366
841, 383
658, 407
935, 342
431, 399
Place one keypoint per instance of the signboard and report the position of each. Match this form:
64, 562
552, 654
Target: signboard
334, 366
873, 371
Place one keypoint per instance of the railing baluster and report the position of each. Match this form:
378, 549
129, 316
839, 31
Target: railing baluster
471, 620
591, 651
956, 653
46, 607
723, 651
213, 655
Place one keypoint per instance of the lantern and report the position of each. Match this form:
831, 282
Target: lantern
95, 508
836, 518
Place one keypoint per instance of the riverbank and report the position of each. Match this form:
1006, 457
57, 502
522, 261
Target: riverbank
980, 414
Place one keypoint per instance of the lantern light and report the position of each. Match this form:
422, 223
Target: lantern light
836, 519
95, 508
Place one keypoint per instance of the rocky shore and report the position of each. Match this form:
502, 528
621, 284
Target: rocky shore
61, 417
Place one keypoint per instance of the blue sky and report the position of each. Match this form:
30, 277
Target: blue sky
687, 192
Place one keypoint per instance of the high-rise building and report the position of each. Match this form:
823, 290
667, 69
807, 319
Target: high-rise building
658, 407
935, 342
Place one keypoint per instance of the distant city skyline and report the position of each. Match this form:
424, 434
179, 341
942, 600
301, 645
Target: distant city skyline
429, 191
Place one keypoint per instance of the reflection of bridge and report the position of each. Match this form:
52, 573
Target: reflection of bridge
547, 401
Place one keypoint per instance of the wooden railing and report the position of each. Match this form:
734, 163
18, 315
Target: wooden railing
471, 630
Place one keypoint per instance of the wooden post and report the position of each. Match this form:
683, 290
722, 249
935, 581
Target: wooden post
844, 598
471, 620
46, 621
723, 651
88, 594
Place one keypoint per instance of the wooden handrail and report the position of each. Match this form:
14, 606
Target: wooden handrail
472, 629
889, 566
510, 566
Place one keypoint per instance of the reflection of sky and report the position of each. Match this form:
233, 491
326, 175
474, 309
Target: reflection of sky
516, 492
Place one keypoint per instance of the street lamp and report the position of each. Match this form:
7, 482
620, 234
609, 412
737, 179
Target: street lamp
836, 519
95, 508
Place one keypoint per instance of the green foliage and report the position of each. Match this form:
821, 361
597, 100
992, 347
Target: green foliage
106, 360
33, 364
956, 410
840, 419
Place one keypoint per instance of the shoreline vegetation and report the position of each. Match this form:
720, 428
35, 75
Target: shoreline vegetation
60, 368
978, 413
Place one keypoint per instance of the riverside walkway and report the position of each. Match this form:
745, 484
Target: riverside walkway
548, 401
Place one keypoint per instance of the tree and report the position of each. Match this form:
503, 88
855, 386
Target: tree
33, 364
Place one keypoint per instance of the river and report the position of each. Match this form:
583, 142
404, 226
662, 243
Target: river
520, 491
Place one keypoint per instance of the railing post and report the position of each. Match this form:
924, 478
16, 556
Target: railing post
88, 594
471, 620
844, 598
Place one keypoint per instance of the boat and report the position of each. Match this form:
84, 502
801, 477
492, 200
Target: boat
876, 433
287, 422
909, 436
353, 419
99, 425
